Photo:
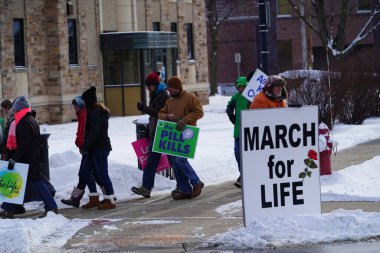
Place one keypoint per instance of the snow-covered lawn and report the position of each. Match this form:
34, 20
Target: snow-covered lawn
340, 225
215, 163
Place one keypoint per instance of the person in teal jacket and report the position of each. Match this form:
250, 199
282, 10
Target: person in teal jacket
234, 106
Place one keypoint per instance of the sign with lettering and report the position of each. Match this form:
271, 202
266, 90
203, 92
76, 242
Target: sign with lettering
141, 147
13, 182
280, 162
255, 85
176, 143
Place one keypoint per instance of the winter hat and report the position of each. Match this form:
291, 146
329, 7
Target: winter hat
20, 103
78, 101
175, 82
89, 96
274, 81
241, 81
152, 79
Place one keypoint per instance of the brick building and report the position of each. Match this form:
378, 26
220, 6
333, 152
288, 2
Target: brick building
49, 53
239, 34
52, 50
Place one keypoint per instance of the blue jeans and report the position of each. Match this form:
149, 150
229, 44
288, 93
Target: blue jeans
149, 172
184, 174
97, 160
43, 190
82, 179
237, 155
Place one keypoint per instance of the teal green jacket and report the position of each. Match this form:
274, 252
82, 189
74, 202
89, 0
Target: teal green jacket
234, 106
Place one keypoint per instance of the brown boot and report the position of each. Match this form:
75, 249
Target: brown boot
108, 203
197, 189
94, 201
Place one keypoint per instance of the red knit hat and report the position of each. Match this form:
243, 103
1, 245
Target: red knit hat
152, 79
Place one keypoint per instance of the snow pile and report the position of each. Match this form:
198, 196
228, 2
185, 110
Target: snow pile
284, 232
355, 183
351, 135
27, 235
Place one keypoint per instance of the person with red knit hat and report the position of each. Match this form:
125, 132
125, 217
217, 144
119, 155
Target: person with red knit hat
185, 109
273, 95
158, 96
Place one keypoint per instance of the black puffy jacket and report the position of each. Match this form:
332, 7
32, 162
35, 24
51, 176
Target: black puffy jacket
96, 134
28, 146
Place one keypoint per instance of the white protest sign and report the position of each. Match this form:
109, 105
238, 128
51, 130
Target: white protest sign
279, 154
255, 85
13, 182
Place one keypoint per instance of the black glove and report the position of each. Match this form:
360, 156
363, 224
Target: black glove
295, 105
230, 111
11, 164
141, 106
181, 124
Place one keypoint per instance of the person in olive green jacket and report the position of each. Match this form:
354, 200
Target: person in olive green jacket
237, 103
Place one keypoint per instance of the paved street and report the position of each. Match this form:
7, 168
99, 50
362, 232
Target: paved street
160, 224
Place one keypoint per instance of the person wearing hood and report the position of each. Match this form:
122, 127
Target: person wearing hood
78, 191
158, 96
96, 147
273, 95
28, 150
185, 109
237, 103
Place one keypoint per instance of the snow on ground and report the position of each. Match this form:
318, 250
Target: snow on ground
154, 222
230, 208
283, 232
27, 235
214, 162
355, 183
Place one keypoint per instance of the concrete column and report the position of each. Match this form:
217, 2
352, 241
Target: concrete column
125, 15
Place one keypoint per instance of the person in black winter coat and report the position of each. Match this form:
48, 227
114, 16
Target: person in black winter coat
28, 151
158, 96
97, 146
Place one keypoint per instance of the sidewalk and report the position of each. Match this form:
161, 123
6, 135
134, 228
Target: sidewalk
160, 224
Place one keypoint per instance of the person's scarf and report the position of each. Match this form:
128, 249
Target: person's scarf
11, 141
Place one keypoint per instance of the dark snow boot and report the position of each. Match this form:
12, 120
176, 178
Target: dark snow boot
141, 191
74, 200
7, 215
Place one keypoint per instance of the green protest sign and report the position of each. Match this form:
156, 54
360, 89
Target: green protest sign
172, 142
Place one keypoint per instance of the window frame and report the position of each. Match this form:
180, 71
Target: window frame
190, 41
364, 10
73, 41
19, 49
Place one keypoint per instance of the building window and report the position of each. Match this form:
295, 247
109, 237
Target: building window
156, 26
364, 5
174, 29
73, 41
283, 8
285, 55
18, 41
190, 42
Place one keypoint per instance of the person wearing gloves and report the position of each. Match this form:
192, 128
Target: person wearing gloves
273, 95
78, 191
28, 150
96, 147
185, 109
158, 96
237, 103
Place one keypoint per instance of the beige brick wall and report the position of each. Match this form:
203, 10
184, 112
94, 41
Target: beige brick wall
48, 80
